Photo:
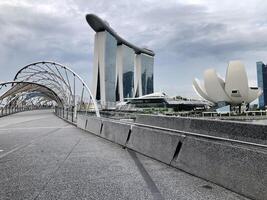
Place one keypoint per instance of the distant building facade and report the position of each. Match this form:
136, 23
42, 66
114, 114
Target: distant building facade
262, 83
161, 100
144, 75
124, 72
104, 71
121, 70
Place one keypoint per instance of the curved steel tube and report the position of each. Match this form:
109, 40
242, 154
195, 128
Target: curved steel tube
57, 99
60, 78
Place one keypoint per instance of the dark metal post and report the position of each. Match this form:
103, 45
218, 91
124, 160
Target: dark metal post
72, 113
74, 101
74, 89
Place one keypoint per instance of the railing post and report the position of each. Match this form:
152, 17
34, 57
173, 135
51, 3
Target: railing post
72, 112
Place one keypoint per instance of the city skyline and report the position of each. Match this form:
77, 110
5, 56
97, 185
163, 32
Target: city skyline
187, 37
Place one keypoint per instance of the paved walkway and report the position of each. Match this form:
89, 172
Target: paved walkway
43, 157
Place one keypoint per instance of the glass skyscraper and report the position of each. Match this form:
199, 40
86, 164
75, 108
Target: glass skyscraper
121, 69
110, 67
262, 83
125, 72
147, 63
104, 68
144, 74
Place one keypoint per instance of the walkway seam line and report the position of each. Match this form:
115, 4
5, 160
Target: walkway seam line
149, 181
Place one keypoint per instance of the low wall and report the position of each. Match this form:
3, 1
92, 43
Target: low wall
91, 124
81, 121
237, 168
115, 132
228, 129
157, 144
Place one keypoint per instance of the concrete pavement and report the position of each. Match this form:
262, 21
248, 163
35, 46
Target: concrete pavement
43, 157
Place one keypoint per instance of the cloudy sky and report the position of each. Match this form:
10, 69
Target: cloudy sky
187, 36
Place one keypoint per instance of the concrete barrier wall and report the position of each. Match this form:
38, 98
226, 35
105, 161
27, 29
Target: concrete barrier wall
81, 121
237, 168
240, 168
115, 132
157, 144
91, 124
164, 121
228, 129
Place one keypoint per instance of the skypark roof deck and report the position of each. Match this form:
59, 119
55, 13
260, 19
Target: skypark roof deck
100, 25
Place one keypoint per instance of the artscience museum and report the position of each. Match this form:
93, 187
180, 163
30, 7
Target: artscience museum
234, 90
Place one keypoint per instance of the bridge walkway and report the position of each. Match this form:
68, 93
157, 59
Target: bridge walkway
44, 157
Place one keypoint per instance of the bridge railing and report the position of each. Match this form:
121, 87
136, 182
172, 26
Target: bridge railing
9, 110
66, 113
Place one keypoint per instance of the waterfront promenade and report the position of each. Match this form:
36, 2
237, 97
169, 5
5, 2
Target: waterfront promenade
44, 157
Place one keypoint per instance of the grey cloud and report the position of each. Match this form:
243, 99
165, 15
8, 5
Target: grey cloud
28, 36
182, 35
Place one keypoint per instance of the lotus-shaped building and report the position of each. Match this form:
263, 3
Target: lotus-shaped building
234, 90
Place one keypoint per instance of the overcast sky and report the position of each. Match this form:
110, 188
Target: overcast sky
187, 36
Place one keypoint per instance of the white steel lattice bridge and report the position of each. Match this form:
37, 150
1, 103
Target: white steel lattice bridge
46, 84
